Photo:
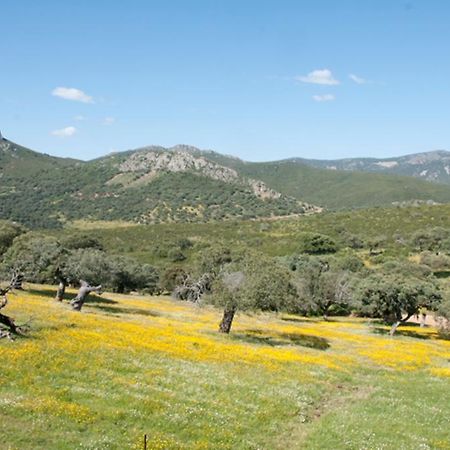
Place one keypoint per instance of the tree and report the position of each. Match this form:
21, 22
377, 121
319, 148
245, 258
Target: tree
90, 265
443, 316
81, 240
6, 321
38, 257
254, 282
212, 259
321, 286
8, 232
395, 299
172, 277
85, 289
192, 290
119, 273
316, 244
127, 274
42, 259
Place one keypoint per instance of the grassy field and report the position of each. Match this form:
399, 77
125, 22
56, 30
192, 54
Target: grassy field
128, 366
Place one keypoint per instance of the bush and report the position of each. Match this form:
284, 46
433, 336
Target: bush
176, 255
436, 263
316, 244
172, 277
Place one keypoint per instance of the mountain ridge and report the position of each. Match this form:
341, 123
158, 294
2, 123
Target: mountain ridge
432, 166
183, 183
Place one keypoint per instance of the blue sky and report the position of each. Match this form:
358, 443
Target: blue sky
262, 80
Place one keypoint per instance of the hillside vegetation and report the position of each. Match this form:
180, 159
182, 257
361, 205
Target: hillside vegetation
394, 227
184, 184
335, 189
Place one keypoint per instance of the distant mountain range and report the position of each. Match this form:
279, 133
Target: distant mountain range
431, 166
156, 184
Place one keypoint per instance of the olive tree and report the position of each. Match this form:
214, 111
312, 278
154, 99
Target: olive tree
8, 232
443, 315
396, 299
316, 244
322, 285
41, 259
254, 282
8, 327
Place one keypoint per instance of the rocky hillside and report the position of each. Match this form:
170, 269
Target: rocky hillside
431, 166
142, 167
185, 184
146, 186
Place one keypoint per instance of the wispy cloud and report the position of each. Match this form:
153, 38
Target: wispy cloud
73, 94
356, 79
319, 76
324, 98
79, 118
108, 120
64, 132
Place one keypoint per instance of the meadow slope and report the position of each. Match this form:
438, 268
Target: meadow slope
130, 365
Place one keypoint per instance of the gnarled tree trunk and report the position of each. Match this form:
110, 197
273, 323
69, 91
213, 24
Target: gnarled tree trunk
6, 320
61, 290
227, 319
423, 318
399, 322
9, 322
85, 289
15, 283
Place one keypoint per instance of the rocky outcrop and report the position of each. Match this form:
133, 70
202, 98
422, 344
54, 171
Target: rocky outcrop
150, 162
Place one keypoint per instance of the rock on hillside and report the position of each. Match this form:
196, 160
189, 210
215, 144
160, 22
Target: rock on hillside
149, 163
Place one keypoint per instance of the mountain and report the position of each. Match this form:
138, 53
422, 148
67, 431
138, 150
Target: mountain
147, 186
431, 166
185, 184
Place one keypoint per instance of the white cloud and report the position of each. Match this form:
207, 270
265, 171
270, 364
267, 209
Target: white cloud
65, 132
79, 118
108, 120
72, 94
356, 79
324, 98
319, 76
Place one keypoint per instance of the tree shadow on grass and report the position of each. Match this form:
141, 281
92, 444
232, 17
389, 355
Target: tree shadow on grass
51, 293
277, 339
118, 310
406, 333
296, 319
308, 319
94, 300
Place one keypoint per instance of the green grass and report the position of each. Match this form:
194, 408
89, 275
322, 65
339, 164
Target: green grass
150, 365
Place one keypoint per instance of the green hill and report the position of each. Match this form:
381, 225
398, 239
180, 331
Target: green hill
43, 191
185, 184
335, 189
